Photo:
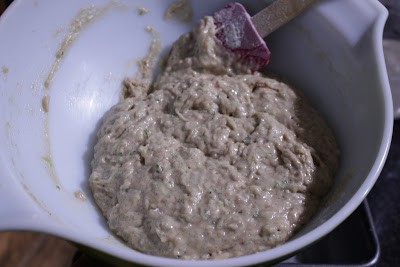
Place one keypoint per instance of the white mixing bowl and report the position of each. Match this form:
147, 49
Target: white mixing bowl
333, 53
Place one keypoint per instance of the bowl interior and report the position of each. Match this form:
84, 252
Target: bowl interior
45, 157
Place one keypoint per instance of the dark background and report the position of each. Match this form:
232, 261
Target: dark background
384, 199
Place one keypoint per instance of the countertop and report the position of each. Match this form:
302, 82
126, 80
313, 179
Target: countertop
25, 249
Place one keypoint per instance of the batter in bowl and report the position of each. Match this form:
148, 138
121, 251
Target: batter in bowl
210, 160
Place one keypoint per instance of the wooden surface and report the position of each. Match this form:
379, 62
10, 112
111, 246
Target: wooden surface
26, 249
2, 6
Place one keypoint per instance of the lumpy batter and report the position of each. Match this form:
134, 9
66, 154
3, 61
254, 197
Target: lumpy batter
210, 161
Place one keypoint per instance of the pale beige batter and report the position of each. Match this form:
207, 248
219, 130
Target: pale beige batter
210, 161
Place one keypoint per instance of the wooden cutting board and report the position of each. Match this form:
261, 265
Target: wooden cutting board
26, 249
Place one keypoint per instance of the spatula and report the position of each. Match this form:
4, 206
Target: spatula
243, 35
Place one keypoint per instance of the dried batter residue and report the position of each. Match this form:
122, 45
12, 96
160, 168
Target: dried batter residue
80, 22
180, 10
46, 103
80, 195
146, 66
48, 160
34, 198
142, 11
5, 70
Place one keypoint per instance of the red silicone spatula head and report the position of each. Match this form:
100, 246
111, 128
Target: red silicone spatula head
237, 33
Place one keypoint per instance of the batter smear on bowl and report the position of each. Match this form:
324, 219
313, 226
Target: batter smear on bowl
210, 160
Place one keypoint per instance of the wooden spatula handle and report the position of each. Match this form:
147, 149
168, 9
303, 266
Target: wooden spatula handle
277, 14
